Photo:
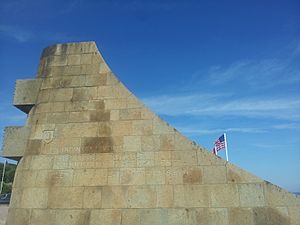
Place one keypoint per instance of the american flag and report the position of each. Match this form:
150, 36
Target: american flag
219, 144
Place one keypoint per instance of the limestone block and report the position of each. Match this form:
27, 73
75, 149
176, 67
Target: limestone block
132, 176
174, 175
59, 60
92, 69
192, 175
251, 195
131, 114
114, 196
107, 217
27, 178
225, 195
15, 141
78, 106
125, 159
99, 115
43, 216
43, 107
72, 217
130, 216
57, 106
184, 158
218, 216
161, 127
176, 216
165, 196
34, 147
121, 128
163, 158
276, 196
24, 163
237, 175
238, 216
104, 160
132, 143
84, 93
86, 58
183, 143
146, 114
96, 80
269, 216
294, 213
76, 130
206, 158
153, 216
113, 176
132, 101
114, 115
61, 162
65, 197
90, 177
96, 145
105, 92
167, 142
214, 175
207, 216
73, 59
34, 198
63, 82
26, 94
119, 103
92, 197
70, 48
60, 94
142, 127
44, 96
16, 198
141, 197
58, 117
18, 216
191, 196
150, 143
155, 175
146, 159
46, 178
42, 131
41, 162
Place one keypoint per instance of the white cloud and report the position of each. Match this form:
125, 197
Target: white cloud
16, 32
256, 73
216, 106
287, 126
199, 131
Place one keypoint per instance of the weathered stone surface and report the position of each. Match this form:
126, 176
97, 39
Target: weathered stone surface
93, 154
15, 141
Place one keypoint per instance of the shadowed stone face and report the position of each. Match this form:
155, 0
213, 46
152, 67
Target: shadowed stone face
92, 154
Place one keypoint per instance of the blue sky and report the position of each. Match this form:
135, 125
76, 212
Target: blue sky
206, 67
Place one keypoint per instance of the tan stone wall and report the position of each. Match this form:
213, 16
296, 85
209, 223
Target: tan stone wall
97, 156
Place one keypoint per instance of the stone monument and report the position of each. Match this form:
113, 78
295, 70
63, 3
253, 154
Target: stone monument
92, 154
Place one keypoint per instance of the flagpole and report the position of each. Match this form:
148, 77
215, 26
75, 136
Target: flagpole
2, 179
226, 151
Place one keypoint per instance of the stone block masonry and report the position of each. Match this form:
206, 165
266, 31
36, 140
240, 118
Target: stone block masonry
92, 154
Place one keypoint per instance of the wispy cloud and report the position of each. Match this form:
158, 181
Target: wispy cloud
199, 131
216, 106
287, 126
16, 33
256, 73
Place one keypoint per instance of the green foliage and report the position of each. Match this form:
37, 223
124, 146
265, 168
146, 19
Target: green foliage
8, 177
